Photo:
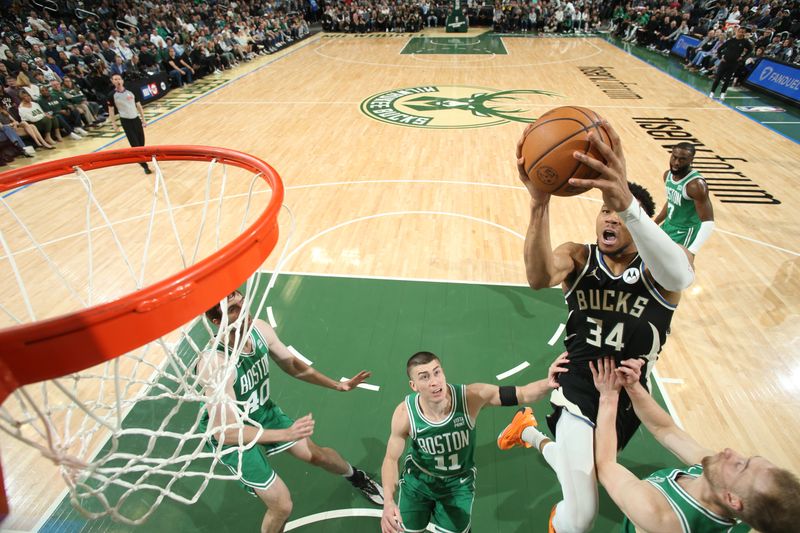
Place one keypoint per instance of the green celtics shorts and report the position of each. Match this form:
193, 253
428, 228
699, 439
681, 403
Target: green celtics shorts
257, 473
446, 503
684, 236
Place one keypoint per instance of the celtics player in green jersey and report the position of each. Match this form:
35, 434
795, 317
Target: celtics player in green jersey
242, 412
718, 492
687, 216
438, 481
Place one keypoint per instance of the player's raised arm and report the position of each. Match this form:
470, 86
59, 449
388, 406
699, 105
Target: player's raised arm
656, 420
300, 370
641, 502
544, 266
667, 261
390, 521
482, 394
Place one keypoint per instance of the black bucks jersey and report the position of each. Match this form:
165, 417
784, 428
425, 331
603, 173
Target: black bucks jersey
621, 316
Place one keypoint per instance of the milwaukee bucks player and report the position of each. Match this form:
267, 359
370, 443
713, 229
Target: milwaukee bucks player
248, 386
621, 292
715, 494
687, 216
438, 473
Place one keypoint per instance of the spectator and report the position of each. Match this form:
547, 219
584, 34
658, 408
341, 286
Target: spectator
32, 113
178, 69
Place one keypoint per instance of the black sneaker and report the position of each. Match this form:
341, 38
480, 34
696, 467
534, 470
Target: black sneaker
368, 487
147, 170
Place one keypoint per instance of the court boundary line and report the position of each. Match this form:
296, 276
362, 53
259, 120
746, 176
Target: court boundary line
394, 278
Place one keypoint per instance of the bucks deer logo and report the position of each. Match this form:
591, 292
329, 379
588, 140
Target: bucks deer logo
436, 106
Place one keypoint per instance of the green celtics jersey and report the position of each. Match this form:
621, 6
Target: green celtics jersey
680, 207
252, 376
445, 448
693, 517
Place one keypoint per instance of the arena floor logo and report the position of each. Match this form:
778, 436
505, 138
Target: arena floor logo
442, 107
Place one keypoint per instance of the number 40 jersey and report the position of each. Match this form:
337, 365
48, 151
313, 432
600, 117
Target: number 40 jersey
621, 316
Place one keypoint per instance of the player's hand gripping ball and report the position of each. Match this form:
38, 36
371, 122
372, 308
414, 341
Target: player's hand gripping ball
550, 143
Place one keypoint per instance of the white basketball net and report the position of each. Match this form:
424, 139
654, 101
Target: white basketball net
126, 434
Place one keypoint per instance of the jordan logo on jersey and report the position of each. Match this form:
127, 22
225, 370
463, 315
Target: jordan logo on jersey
593, 273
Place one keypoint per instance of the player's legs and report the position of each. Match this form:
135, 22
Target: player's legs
452, 512
330, 460
325, 458
415, 504
572, 459
279, 506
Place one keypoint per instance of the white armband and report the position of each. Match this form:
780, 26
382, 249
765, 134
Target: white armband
706, 227
665, 259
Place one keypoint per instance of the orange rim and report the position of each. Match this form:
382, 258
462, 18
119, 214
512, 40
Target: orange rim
62, 345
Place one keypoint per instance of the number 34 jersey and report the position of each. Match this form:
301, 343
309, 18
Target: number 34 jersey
621, 316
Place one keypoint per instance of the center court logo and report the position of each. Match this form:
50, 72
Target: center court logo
443, 107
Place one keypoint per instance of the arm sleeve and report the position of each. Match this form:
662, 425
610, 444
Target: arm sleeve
703, 234
665, 259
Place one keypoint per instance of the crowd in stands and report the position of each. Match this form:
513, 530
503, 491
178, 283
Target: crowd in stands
55, 64
62, 60
771, 29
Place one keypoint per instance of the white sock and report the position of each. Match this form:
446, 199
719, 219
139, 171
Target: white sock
533, 436
572, 459
349, 472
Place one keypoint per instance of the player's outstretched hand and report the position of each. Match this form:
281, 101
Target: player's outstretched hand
605, 376
390, 520
613, 180
629, 372
556, 368
536, 194
352, 383
302, 428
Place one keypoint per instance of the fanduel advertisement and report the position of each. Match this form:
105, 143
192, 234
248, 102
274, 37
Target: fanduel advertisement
777, 78
683, 42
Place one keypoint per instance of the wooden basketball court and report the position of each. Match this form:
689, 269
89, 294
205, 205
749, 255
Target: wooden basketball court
397, 152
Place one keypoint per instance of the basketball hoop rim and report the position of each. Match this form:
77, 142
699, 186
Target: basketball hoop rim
58, 346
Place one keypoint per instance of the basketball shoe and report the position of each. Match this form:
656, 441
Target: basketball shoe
368, 487
512, 435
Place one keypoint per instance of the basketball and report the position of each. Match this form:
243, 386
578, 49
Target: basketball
548, 147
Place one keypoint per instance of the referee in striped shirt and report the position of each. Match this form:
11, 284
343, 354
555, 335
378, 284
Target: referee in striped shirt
131, 114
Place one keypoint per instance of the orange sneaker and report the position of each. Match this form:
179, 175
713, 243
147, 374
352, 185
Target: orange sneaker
550, 528
512, 434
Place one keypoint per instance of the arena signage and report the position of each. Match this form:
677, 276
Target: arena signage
777, 78
607, 82
682, 44
725, 180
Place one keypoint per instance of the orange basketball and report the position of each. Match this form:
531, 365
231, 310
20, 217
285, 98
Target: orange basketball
548, 147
